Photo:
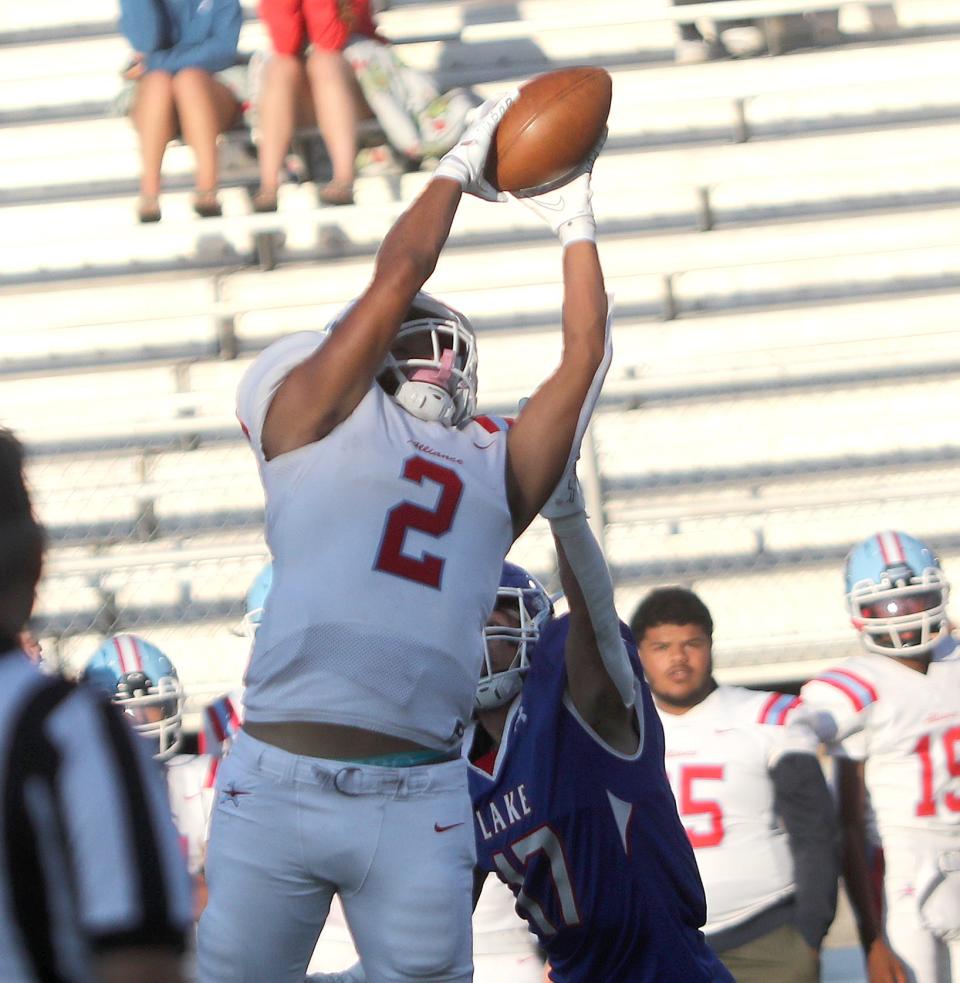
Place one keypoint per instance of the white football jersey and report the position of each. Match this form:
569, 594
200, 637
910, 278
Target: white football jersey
388, 538
190, 786
718, 757
905, 726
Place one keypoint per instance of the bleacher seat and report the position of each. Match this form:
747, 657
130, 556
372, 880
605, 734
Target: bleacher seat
780, 235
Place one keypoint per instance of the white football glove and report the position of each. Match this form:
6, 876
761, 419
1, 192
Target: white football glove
465, 162
568, 209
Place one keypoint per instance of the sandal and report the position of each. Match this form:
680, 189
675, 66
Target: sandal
148, 209
336, 193
206, 204
265, 201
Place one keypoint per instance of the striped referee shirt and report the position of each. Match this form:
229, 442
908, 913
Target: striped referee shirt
89, 858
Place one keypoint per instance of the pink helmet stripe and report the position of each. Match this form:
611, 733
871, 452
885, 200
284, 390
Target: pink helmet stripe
891, 548
122, 653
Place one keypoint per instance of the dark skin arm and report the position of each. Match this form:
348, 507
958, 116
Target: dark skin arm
590, 687
882, 965
539, 442
326, 388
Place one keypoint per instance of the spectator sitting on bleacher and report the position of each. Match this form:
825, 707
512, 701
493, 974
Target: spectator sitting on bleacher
706, 39
308, 38
178, 48
418, 121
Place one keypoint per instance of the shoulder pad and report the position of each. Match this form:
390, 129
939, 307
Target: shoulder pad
854, 686
776, 708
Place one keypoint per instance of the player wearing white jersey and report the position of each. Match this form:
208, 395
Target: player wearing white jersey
895, 711
751, 795
388, 512
143, 682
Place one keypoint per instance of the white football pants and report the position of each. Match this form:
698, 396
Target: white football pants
928, 958
288, 831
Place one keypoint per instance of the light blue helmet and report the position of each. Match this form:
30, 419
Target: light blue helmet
897, 595
137, 676
525, 600
256, 600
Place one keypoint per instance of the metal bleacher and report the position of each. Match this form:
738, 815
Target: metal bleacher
780, 234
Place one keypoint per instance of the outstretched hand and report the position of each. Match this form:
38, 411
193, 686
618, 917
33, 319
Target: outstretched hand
465, 162
568, 209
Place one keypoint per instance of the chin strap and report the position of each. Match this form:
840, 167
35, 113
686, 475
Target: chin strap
426, 401
590, 568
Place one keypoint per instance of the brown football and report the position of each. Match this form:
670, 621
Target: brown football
550, 129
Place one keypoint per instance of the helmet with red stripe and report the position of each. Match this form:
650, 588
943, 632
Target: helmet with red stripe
431, 368
522, 610
144, 683
897, 595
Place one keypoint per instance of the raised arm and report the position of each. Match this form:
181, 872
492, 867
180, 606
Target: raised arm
600, 676
543, 438
326, 388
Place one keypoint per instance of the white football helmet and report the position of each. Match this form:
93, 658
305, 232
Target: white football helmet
897, 595
431, 369
525, 598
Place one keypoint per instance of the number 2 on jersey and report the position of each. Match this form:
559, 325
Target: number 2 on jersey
428, 568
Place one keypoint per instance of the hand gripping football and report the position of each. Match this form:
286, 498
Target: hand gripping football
549, 131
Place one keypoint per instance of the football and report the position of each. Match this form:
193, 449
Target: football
546, 134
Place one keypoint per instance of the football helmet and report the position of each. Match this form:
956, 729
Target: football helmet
431, 368
143, 682
256, 600
896, 594
524, 597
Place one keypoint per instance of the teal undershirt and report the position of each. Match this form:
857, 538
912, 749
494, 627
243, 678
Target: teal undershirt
405, 759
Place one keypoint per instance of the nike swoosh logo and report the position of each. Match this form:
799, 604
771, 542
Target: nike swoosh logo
483, 447
442, 829
557, 205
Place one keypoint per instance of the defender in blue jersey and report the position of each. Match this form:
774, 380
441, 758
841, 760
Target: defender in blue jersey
572, 807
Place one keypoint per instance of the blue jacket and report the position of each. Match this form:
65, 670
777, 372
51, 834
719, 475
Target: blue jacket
177, 34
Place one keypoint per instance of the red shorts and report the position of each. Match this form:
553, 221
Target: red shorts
327, 24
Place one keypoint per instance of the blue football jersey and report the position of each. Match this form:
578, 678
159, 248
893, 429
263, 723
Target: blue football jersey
589, 840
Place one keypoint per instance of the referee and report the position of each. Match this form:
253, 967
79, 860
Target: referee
92, 883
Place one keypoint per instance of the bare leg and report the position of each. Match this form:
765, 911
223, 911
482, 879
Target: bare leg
282, 91
331, 82
155, 120
206, 108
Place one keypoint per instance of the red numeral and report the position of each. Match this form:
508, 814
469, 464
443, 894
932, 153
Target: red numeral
927, 806
427, 569
689, 806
